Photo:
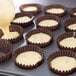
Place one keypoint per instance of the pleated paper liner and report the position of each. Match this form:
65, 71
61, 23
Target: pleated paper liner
69, 22
27, 49
5, 50
72, 11
40, 30
25, 24
58, 54
39, 9
13, 28
50, 17
63, 36
56, 6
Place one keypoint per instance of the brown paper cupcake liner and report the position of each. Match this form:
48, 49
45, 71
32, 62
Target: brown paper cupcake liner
65, 35
39, 9
5, 50
51, 28
13, 28
17, 15
58, 54
68, 22
56, 6
73, 10
46, 31
25, 49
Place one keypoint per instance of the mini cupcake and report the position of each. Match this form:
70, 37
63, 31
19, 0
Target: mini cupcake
28, 57
73, 12
41, 37
55, 9
32, 9
62, 62
5, 50
70, 24
23, 20
48, 21
67, 41
14, 35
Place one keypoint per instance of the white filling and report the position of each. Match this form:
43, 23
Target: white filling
10, 35
75, 13
24, 19
68, 42
30, 8
39, 38
55, 10
29, 58
48, 23
63, 63
72, 26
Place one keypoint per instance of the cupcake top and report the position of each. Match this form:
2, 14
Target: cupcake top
33, 9
69, 42
10, 35
39, 38
28, 58
55, 10
23, 19
72, 26
63, 63
30, 8
48, 23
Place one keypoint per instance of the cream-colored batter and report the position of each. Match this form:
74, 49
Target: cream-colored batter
72, 26
28, 58
10, 35
55, 10
24, 19
39, 38
69, 42
75, 13
63, 63
30, 8
48, 23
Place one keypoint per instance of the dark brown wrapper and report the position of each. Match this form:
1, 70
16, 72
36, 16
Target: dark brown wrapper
25, 49
69, 22
58, 54
63, 36
6, 49
39, 9
51, 17
17, 15
46, 31
72, 11
13, 28
56, 6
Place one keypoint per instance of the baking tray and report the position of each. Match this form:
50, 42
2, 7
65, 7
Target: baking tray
11, 69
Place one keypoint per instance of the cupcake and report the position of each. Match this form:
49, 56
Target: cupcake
62, 62
32, 9
14, 35
5, 50
67, 41
55, 9
28, 57
70, 24
73, 12
41, 37
23, 20
48, 21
